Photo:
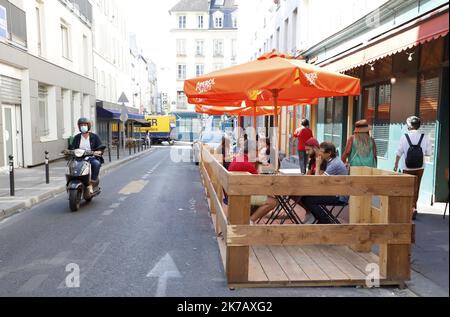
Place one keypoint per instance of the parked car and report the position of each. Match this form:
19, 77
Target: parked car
211, 138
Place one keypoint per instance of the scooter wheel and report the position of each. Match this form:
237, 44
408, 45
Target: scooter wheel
75, 199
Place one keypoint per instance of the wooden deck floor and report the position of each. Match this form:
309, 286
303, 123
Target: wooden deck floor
306, 266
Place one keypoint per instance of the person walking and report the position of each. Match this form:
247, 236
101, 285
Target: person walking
303, 134
413, 148
361, 149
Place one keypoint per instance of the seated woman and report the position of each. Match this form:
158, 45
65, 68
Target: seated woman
224, 149
335, 167
312, 147
264, 151
265, 204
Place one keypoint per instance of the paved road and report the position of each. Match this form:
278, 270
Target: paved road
149, 234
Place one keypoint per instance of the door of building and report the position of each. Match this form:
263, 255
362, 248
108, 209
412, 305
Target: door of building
10, 135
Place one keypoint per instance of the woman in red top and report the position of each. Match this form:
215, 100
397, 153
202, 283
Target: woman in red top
303, 134
265, 204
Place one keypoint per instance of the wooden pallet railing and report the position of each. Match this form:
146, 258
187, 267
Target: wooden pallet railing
389, 226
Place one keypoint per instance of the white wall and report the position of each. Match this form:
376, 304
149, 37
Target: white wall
111, 50
316, 20
53, 12
191, 34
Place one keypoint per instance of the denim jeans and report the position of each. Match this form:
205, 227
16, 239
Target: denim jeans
313, 203
95, 167
303, 158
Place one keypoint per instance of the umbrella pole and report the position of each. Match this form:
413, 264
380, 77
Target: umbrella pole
277, 146
256, 133
254, 118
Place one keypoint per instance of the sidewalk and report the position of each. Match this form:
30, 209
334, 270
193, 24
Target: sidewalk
430, 253
31, 189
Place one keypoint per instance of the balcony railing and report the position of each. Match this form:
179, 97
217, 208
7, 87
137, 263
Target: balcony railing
16, 23
82, 7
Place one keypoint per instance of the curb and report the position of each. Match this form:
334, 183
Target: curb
33, 201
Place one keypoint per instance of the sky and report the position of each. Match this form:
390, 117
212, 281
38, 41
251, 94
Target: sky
150, 20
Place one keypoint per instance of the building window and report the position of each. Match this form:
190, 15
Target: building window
233, 49
65, 40
218, 23
40, 44
218, 48
199, 70
181, 47
200, 21
429, 82
199, 47
86, 55
43, 112
218, 20
217, 66
333, 119
66, 100
181, 71
182, 22
181, 100
377, 111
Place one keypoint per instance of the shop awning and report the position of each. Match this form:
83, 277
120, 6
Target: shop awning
111, 114
140, 122
393, 42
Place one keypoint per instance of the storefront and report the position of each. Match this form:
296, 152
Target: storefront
189, 126
109, 125
404, 72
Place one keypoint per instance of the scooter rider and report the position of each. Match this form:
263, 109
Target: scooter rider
89, 141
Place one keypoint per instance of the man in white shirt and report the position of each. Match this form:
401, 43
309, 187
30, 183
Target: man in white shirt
413, 148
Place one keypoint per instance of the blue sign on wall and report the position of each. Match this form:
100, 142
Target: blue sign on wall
3, 23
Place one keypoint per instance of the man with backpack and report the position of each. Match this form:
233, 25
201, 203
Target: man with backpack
414, 146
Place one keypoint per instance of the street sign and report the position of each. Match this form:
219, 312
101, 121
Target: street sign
123, 99
124, 111
124, 114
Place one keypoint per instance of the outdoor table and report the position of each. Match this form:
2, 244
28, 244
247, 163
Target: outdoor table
284, 202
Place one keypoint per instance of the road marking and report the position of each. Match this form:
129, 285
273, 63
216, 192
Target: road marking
163, 270
108, 212
133, 187
81, 238
114, 206
96, 252
33, 283
60, 258
123, 198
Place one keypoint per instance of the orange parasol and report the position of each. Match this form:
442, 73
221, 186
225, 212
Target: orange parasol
233, 111
284, 78
274, 78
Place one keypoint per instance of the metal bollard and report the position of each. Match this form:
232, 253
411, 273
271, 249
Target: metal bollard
139, 146
118, 151
129, 149
47, 168
12, 188
109, 152
134, 146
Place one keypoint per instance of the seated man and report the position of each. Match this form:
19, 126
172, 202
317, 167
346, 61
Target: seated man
265, 204
335, 167
89, 141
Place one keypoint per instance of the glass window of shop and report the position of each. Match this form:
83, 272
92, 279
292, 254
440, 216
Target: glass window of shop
377, 101
377, 111
331, 115
431, 57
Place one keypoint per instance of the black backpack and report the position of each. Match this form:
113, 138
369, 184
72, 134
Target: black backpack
414, 158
